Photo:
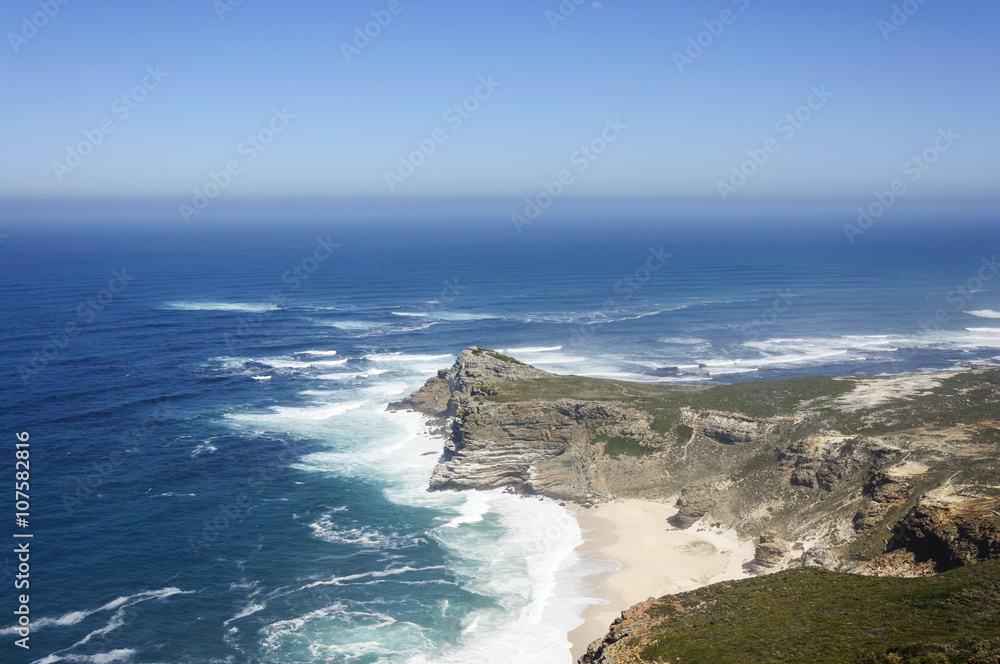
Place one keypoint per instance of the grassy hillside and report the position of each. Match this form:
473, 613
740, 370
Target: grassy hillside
816, 616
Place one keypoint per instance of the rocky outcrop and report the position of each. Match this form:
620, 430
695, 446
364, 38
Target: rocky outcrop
476, 372
432, 399
884, 491
633, 624
770, 552
497, 447
819, 461
729, 428
951, 527
695, 501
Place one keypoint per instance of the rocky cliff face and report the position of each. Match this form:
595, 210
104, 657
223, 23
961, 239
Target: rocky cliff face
895, 476
855, 468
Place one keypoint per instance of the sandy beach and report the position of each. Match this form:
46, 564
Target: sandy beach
655, 559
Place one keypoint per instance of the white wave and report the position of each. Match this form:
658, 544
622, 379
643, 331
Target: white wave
516, 553
203, 447
472, 511
351, 325
351, 635
281, 363
330, 363
248, 610
984, 313
340, 376
404, 357
100, 658
852, 348
249, 307
446, 316
317, 353
347, 375
377, 574
280, 414
684, 341
369, 538
76, 617
261, 377
522, 557
600, 318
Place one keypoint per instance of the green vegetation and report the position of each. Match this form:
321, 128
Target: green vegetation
661, 424
618, 445
813, 615
770, 398
494, 354
757, 399
684, 433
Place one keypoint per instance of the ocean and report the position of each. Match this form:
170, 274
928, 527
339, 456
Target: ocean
214, 475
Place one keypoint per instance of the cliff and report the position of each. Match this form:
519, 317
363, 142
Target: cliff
894, 476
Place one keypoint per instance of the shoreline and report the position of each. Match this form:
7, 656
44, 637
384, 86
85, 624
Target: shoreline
654, 559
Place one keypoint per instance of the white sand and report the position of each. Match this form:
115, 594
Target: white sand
655, 558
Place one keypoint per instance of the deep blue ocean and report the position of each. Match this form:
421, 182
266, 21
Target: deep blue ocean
214, 477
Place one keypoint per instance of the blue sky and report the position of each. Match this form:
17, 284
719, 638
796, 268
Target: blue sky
558, 89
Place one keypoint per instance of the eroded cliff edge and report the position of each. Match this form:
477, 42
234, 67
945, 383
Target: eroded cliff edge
892, 476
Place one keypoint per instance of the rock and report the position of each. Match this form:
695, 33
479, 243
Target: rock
820, 557
431, 399
951, 529
695, 501
818, 462
729, 428
770, 552
883, 492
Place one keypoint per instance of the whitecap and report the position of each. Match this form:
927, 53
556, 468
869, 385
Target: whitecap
76, 617
203, 447
248, 307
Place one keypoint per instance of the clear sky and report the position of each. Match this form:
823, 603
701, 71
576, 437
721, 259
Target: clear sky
679, 126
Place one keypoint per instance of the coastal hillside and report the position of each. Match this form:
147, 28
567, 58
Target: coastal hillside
816, 616
894, 476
